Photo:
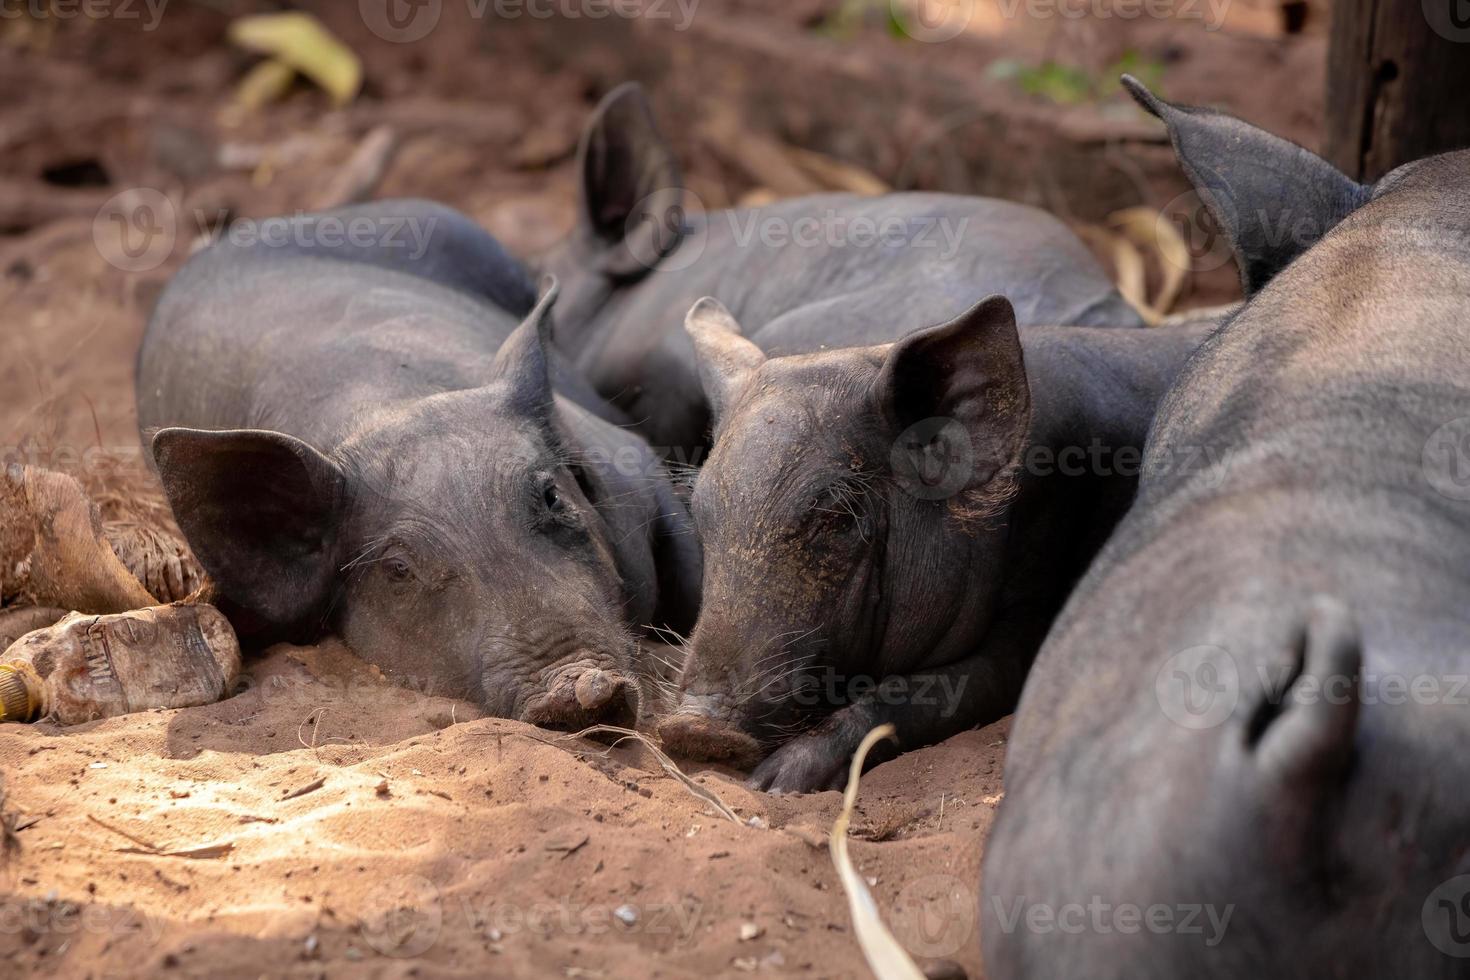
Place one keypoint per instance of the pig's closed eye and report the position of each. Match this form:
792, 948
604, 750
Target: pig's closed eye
396, 565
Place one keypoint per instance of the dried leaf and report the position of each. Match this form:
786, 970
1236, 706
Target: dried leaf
886, 958
300, 41
267, 82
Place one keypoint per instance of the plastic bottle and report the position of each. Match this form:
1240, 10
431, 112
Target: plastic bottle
87, 667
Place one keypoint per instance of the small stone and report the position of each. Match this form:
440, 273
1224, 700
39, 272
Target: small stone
750, 930
626, 914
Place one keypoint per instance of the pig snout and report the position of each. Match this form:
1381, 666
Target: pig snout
698, 731
582, 696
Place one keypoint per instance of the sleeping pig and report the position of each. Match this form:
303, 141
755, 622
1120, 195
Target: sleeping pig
889, 530
640, 256
356, 436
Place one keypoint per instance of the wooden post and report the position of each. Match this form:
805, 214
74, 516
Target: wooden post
1398, 82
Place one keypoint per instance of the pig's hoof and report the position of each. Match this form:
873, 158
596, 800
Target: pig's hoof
808, 764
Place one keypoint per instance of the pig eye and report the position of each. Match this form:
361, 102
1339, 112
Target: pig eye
397, 568
552, 498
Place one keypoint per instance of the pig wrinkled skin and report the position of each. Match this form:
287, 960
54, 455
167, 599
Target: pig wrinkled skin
880, 266
1252, 712
889, 530
359, 438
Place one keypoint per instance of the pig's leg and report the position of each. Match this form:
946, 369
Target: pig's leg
925, 708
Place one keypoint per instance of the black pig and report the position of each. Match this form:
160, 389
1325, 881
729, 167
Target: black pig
1242, 751
355, 435
889, 530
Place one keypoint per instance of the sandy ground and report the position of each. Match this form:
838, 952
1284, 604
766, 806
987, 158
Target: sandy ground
322, 822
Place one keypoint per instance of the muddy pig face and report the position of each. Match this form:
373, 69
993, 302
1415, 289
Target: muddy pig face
850, 516
455, 541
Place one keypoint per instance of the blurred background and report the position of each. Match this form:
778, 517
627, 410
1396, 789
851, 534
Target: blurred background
133, 127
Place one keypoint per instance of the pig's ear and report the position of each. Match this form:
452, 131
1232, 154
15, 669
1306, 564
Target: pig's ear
1270, 198
522, 364
632, 194
726, 360
260, 509
1302, 738
957, 399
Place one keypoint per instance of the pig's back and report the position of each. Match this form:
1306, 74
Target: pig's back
299, 343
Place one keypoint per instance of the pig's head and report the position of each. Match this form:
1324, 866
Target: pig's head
470, 542
852, 516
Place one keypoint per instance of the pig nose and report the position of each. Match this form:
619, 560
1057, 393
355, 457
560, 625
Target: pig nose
582, 696
607, 699
699, 736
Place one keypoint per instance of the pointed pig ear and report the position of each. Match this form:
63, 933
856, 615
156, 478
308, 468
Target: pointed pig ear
631, 202
522, 363
725, 359
1271, 198
965, 381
